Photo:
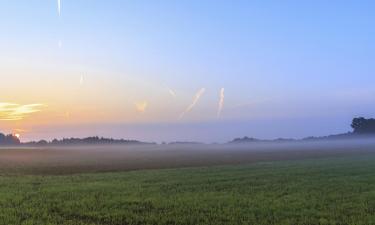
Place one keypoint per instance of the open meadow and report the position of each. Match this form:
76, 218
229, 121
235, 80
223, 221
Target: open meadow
245, 186
187, 112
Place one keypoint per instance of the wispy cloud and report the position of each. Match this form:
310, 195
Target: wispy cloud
13, 111
196, 98
141, 106
221, 103
171, 92
59, 7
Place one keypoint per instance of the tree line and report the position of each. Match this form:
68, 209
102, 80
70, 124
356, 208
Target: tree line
10, 139
360, 126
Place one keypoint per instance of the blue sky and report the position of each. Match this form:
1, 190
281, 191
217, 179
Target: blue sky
280, 62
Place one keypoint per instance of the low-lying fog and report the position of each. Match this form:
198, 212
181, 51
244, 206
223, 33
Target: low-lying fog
74, 159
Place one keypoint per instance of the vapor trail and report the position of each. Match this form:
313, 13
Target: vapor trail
171, 92
221, 102
196, 98
59, 7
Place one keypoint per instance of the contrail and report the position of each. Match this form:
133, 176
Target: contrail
59, 7
196, 98
221, 102
171, 92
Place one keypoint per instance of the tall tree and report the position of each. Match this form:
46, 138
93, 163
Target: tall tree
361, 125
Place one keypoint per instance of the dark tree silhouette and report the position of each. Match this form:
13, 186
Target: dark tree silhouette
361, 125
85, 141
9, 140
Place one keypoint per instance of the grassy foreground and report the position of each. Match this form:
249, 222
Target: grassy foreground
320, 191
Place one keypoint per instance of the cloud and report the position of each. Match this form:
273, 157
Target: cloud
196, 98
141, 106
59, 7
13, 111
221, 102
171, 92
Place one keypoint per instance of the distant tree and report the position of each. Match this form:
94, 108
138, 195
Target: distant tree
12, 140
55, 142
244, 140
9, 140
86, 141
2, 138
361, 125
42, 142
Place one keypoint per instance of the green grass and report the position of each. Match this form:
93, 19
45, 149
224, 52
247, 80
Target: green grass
321, 191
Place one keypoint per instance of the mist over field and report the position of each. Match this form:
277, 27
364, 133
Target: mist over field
104, 158
193, 112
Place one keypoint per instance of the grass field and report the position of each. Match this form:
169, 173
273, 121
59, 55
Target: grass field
326, 190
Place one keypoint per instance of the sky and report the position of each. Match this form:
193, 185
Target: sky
188, 70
